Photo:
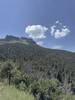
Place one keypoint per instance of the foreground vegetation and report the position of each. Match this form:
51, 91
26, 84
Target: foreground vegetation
41, 89
11, 93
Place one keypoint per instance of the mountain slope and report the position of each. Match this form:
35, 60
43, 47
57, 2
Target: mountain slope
37, 61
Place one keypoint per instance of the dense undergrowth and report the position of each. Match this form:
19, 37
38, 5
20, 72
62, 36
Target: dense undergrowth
41, 89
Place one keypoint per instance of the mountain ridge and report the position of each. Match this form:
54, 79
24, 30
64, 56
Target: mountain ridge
13, 38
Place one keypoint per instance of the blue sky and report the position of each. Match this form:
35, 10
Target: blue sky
37, 19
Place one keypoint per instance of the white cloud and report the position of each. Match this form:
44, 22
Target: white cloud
59, 34
52, 29
40, 43
57, 22
36, 31
59, 31
57, 47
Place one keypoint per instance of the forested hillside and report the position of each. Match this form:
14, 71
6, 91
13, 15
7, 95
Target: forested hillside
48, 74
38, 61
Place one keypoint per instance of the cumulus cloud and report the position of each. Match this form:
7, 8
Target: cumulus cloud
58, 30
64, 32
36, 31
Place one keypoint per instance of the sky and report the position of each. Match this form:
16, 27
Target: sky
50, 23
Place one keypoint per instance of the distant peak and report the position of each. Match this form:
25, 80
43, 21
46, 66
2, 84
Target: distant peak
10, 37
14, 38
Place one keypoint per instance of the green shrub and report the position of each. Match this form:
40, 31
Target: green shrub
46, 89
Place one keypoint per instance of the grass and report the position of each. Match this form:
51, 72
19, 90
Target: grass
11, 93
69, 97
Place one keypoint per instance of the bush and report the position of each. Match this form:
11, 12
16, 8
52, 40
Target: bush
46, 89
22, 86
